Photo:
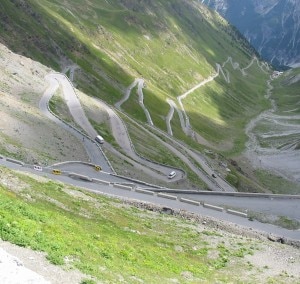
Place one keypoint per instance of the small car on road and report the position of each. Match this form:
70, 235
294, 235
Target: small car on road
99, 139
37, 168
172, 174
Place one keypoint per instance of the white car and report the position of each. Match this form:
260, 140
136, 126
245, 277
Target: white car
172, 174
37, 168
99, 139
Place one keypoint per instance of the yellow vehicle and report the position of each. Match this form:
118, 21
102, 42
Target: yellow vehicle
56, 172
98, 168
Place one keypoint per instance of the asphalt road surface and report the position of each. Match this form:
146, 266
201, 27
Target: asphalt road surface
91, 147
269, 206
175, 204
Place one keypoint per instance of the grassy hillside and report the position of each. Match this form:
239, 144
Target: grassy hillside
172, 45
115, 242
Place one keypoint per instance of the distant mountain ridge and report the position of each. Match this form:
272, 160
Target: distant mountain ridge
271, 26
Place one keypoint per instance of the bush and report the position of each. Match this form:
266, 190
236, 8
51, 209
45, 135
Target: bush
87, 281
232, 179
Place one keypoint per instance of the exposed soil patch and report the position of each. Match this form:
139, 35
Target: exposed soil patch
25, 133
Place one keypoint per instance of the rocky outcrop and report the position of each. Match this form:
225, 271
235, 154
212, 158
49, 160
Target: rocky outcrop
271, 26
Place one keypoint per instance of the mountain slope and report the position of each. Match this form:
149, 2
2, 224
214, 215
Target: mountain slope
271, 26
173, 46
190, 59
25, 133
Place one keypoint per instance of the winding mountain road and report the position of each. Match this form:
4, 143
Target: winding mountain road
269, 206
76, 110
119, 131
283, 159
185, 154
185, 125
169, 117
121, 136
93, 151
140, 83
141, 101
218, 183
127, 94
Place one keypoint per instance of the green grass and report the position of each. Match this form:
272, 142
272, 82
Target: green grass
105, 239
17, 152
59, 107
219, 111
277, 184
233, 180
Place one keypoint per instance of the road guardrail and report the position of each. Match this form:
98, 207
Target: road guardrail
168, 196
15, 161
237, 213
213, 207
121, 186
99, 181
139, 190
189, 201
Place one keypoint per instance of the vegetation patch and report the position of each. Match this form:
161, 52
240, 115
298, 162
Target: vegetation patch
106, 239
233, 179
59, 107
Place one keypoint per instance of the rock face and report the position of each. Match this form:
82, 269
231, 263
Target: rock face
271, 26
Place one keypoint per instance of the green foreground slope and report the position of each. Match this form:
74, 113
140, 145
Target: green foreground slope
115, 242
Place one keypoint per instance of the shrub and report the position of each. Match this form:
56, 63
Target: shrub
232, 179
